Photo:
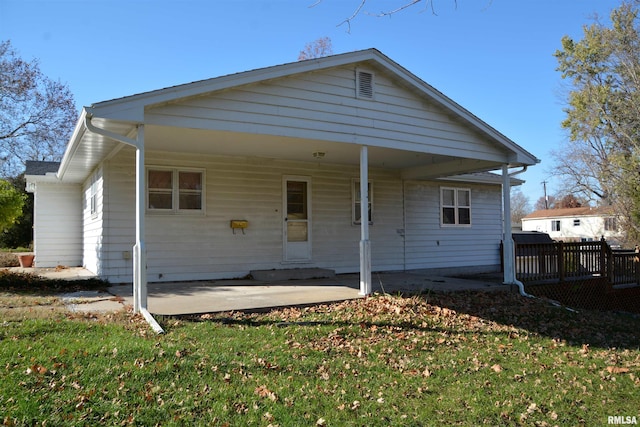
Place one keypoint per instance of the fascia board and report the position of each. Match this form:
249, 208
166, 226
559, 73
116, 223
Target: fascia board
72, 145
133, 106
481, 179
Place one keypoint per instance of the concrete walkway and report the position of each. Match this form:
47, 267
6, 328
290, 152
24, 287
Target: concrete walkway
176, 298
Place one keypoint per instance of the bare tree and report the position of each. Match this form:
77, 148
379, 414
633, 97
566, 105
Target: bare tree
545, 203
37, 114
388, 12
316, 49
520, 206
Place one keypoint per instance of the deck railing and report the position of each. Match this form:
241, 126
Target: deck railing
562, 261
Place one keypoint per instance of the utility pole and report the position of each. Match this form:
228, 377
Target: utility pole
546, 199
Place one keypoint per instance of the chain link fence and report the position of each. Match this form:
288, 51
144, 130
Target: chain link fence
592, 294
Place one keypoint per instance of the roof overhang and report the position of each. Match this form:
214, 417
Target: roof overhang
87, 149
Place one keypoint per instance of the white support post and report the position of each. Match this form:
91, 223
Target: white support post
365, 244
507, 240
139, 250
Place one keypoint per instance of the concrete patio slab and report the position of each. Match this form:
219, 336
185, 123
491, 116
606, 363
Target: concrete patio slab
178, 298
206, 297
92, 301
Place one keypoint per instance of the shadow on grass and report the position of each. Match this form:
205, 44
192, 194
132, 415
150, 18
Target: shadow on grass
604, 329
537, 316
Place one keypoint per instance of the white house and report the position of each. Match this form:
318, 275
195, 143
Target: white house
274, 168
576, 224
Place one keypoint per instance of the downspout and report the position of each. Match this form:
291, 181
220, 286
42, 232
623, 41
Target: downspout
139, 249
509, 246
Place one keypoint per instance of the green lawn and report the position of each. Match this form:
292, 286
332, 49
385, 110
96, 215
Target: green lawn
457, 359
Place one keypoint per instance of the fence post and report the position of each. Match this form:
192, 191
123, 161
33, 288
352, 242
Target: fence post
636, 264
560, 260
610, 266
604, 271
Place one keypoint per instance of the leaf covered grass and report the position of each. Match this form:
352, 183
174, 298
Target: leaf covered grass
453, 359
28, 296
27, 283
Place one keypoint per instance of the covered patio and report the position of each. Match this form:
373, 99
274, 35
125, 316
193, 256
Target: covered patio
183, 298
278, 168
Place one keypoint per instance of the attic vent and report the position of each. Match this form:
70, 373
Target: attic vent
364, 84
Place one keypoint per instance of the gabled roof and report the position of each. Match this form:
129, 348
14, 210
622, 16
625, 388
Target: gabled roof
133, 106
571, 212
120, 116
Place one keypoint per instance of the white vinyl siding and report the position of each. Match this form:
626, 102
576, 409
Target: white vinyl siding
205, 247
93, 220
428, 245
58, 225
321, 106
305, 107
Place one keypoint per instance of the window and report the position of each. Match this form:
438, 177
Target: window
555, 225
610, 224
357, 204
173, 190
456, 206
576, 223
93, 195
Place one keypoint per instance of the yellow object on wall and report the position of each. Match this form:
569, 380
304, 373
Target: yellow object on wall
239, 223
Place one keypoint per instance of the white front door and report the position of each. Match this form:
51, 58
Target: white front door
297, 218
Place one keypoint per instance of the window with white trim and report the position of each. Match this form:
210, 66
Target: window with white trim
357, 202
175, 190
455, 206
555, 225
93, 195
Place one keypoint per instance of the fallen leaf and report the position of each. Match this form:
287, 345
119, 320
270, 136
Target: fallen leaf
263, 391
497, 368
268, 416
38, 369
617, 370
